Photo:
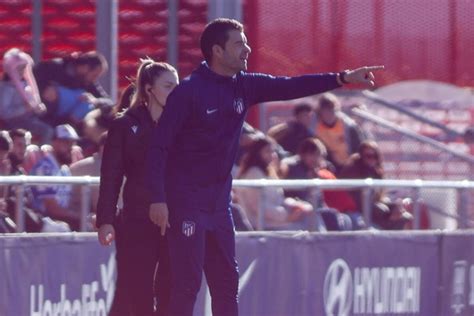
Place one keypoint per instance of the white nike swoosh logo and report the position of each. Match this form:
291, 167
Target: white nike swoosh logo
210, 111
243, 281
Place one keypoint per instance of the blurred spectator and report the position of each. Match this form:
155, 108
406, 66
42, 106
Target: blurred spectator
247, 137
7, 225
21, 138
69, 86
89, 166
367, 163
278, 212
53, 200
20, 103
339, 133
290, 134
311, 163
34, 222
125, 99
468, 135
96, 123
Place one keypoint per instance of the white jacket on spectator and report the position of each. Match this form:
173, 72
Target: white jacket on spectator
270, 200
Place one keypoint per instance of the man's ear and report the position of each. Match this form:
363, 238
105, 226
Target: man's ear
217, 51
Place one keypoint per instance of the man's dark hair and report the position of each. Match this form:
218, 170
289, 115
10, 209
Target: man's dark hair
18, 132
312, 145
92, 59
302, 107
216, 32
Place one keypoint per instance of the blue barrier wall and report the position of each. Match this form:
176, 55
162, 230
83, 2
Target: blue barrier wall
362, 273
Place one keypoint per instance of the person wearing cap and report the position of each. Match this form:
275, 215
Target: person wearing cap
53, 200
20, 103
139, 246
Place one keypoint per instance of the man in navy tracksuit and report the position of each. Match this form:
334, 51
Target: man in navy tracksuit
191, 157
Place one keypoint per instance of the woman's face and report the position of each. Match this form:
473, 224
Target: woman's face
267, 154
370, 157
312, 159
163, 86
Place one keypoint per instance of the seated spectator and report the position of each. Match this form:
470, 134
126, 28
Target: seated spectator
125, 99
7, 225
278, 212
290, 134
20, 139
247, 137
34, 221
311, 163
95, 124
339, 133
241, 221
367, 163
69, 86
20, 103
89, 166
53, 200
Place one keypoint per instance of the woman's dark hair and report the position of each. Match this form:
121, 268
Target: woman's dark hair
253, 157
372, 146
217, 33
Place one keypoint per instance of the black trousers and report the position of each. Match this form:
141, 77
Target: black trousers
143, 278
201, 241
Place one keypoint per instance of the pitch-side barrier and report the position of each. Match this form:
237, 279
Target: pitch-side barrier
317, 185
429, 273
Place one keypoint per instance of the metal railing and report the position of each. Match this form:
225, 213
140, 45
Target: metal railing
410, 134
368, 185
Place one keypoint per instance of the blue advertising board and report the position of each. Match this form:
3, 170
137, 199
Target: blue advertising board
281, 273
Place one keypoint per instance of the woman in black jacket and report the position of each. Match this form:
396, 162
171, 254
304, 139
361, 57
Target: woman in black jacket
124, 158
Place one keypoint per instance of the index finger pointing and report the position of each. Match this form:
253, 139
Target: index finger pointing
163, 230
371, 68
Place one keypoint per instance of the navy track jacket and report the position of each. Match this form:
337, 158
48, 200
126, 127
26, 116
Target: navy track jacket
193, 147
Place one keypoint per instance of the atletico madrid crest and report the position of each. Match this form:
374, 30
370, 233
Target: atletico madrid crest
189, 228
239, 105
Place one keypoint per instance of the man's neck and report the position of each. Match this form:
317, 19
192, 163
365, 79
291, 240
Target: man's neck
221, 70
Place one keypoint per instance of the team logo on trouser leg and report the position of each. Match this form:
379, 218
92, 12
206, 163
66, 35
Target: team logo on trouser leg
189, 228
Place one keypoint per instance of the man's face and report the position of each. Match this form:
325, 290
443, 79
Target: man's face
327, 115
89, 75
19, 148
236, 52
63, 150
305, 118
